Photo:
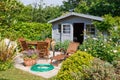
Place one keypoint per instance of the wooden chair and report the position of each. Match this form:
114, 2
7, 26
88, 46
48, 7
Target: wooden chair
48, 40
24, 45
72, 48
42, 49
21, 39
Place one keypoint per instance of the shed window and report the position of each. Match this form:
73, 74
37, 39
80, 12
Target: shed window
66, 28
90, 30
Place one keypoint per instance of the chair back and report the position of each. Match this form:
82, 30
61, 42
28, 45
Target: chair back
48, 40
42, 47
73, 46
23, 45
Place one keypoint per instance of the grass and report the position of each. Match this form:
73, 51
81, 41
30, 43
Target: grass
16, 74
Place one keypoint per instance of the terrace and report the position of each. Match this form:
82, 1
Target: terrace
19, 65
46, 63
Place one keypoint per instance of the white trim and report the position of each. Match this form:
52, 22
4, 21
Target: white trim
63, 34
84, 33
86, 29
79, 15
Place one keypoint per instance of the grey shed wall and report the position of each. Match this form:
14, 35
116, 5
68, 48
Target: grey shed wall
68, 20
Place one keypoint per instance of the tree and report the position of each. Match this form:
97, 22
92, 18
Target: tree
52, 12
105, 7
99, 7
8, 12
70, 5
25, 14
36, 12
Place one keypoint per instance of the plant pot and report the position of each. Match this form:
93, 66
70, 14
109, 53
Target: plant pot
29, 62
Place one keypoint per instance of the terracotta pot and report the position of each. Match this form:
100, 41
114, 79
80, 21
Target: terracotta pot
29, 62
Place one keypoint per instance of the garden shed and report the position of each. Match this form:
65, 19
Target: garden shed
74, 27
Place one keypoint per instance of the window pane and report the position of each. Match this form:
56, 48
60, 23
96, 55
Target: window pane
66, 28
59, 28
93, 29
90, 29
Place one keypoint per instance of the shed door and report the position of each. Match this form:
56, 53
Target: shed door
67, 32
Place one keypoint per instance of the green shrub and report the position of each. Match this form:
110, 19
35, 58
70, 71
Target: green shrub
117, 68
5, 65
32, 31
63, 45
100, 70
101, 48
74, 64
105, 25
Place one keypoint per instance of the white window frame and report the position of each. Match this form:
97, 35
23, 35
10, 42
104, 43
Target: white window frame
89, 31
66, 28
70, 32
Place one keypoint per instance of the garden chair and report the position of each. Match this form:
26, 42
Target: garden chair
48, 40
72, 48
24, 45
21, 39
42, 49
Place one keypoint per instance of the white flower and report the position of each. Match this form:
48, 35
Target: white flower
110, 39
114, 51
95, 38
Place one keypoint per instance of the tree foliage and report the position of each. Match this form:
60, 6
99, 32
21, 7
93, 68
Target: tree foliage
9, 10
18, 20
52, 12
94, 7
105, 7
25, 14
31, 31
106, 25
70, 4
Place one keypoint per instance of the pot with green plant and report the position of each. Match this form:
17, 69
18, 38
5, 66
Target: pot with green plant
30, 58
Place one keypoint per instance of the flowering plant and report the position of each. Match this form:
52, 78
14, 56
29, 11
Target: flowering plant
30, 54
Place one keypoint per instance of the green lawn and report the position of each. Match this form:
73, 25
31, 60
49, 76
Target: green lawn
16, 74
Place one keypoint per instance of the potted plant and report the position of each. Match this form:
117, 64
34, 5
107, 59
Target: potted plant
29, 58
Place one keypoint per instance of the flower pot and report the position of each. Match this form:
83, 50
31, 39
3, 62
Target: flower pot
29, 62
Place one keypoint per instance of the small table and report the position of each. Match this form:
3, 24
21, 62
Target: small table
34, 43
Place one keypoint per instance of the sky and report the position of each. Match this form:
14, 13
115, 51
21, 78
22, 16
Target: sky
47, 2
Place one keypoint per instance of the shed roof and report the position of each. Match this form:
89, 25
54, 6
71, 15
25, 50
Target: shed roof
77, 14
